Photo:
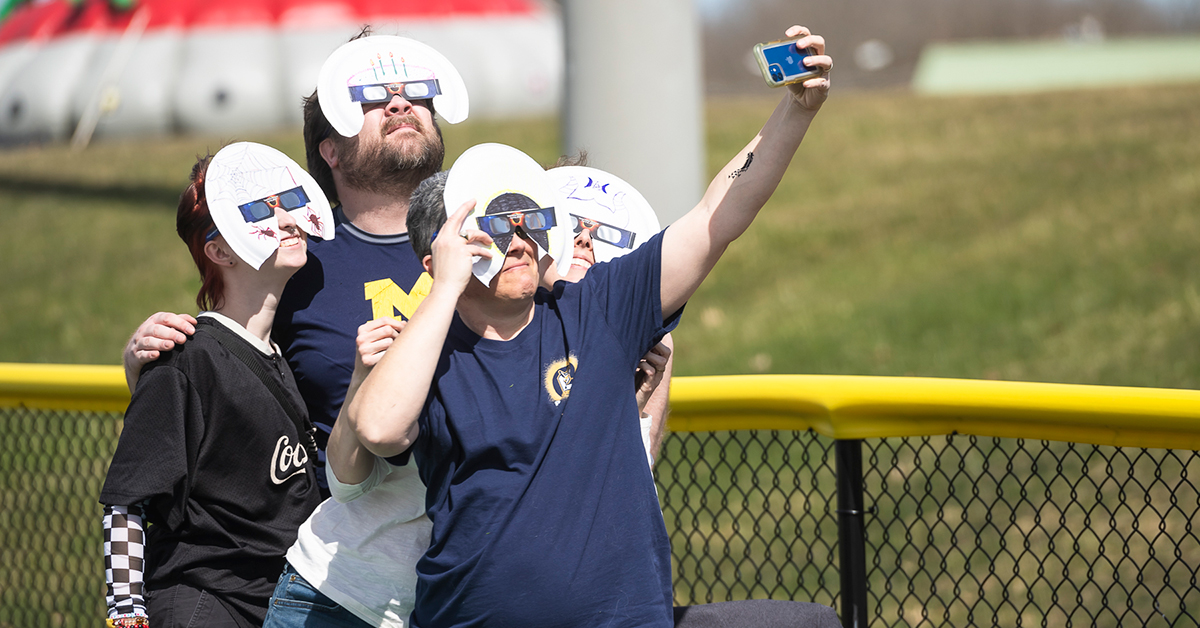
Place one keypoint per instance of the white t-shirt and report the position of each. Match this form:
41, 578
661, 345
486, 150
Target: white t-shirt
361, 547
646, 421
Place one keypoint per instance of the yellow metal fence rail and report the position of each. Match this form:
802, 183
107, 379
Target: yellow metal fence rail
837, 406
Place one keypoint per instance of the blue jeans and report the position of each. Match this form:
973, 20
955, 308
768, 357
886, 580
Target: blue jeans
184, 606
297, 604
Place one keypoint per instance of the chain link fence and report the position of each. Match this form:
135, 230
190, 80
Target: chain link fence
750, 515
52, 464
985, 531
960, 530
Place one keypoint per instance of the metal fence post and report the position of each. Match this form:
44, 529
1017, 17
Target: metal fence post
851, 533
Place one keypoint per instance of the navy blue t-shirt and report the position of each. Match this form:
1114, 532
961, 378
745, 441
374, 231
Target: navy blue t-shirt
354, 278
543, 507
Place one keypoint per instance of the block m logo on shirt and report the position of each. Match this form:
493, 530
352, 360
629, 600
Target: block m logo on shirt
388, 299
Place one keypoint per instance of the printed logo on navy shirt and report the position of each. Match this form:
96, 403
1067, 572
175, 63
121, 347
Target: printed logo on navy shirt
559, 377
288, 460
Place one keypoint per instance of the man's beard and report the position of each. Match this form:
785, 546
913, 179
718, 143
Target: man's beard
385, 167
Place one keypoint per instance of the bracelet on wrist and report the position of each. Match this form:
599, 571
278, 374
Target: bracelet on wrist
128, 621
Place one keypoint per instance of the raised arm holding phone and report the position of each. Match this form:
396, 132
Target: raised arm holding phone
522, 489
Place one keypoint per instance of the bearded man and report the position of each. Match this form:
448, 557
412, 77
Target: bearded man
368, 145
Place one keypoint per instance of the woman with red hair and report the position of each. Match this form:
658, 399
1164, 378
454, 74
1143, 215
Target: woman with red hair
212, 474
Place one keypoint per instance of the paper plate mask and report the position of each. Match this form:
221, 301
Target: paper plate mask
246, 183
615, 213
373, 69
511, 192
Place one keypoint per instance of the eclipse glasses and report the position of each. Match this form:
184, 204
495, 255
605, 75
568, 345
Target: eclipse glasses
383, 92
616, 236
265, 207
538, 219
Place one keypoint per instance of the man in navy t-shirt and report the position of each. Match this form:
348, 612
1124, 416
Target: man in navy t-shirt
367, 275
530, 458
518, 406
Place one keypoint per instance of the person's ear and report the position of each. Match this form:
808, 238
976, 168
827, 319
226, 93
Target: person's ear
427, 262
328, 152
219, 254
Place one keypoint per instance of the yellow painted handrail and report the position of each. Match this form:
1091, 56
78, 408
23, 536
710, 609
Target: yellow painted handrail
853, 407
63, 387
838, 406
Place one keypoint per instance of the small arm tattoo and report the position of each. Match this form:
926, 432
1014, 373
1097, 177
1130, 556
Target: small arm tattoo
746, 166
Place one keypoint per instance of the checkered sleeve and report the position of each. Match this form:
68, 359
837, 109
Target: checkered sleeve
124, 564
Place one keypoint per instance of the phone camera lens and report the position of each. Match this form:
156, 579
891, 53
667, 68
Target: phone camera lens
776, 72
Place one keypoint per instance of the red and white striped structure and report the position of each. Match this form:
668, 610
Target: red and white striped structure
230, 66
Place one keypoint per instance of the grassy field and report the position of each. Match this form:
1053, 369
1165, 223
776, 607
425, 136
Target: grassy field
1036, 238
1044, 238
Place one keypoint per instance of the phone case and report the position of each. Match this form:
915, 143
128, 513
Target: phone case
765, 66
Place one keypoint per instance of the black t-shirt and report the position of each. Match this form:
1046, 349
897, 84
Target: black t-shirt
221, 469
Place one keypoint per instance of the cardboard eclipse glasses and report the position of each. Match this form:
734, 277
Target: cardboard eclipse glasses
531, 220
528, 219
543, 219
263, 208
383, 92
616, 236
255, 211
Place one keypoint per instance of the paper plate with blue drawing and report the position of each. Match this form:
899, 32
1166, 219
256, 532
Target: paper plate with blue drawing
374, 69
512, 192
617, 216
246, 183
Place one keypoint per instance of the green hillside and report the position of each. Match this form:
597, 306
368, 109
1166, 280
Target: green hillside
1046, 237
